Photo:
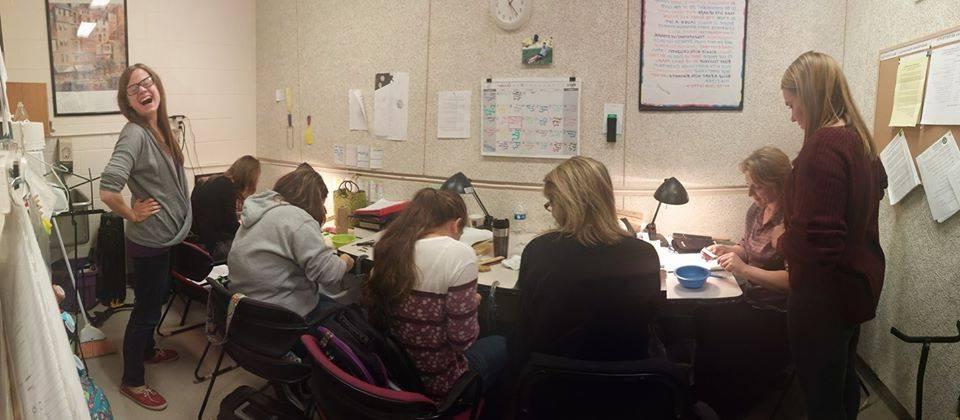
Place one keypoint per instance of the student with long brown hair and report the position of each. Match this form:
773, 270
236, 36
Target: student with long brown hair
831, 240
216, 202
148, 160
279, 256
423, 290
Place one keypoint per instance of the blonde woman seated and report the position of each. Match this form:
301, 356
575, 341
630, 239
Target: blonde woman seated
588, 288
755, 261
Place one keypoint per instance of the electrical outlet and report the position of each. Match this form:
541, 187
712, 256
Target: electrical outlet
65, 153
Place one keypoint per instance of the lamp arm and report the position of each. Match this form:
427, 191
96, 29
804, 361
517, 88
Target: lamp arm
482, 207
656, 212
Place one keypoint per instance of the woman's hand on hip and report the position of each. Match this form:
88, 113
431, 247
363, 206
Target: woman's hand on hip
142, 209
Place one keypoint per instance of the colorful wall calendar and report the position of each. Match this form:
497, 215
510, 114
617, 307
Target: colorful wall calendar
534, 117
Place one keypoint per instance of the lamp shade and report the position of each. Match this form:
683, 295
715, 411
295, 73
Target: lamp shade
460, 184
671, 192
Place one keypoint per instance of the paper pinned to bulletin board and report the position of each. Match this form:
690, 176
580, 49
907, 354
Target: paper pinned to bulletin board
530, 117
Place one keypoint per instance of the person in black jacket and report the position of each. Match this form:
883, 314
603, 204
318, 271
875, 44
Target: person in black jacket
216, 203
588, 288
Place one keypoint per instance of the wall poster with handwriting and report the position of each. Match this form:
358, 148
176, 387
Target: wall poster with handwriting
692, 54
532, 117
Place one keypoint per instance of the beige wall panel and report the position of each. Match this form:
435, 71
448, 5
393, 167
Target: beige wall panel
343, 45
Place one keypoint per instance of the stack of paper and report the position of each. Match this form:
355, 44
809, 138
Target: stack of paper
937, 164
898, 163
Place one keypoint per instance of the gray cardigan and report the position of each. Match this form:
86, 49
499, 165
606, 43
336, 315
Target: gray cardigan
139, 162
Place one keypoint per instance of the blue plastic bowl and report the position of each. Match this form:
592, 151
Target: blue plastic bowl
692, 276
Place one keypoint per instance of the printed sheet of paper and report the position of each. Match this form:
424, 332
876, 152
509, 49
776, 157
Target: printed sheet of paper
376, 158
350, 157
338, 154
363, 157
901, 174
453, 114
935, 164
390, 108
358, 115
908, 93
941, 106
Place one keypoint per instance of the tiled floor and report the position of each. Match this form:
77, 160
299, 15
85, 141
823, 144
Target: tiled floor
175, 380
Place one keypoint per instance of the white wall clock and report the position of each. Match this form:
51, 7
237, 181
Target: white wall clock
511, 14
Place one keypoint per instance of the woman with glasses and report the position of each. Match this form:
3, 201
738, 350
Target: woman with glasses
148, 160
588, 288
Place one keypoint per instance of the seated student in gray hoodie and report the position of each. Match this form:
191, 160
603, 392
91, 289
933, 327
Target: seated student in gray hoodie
278, 255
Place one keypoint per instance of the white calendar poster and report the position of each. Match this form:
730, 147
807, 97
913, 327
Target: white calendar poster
535, 117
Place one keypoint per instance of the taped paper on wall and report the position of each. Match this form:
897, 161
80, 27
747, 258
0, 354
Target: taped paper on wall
898, 163
908, 93
941, 106
390, 107
935, 164
338, 152
376, 158
350, 157
363, 157
453, 114
358, 115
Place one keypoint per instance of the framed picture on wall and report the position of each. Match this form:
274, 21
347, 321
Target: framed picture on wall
88, 52
692, 54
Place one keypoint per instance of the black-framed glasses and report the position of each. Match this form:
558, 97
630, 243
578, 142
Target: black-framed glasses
548, 206
146, 83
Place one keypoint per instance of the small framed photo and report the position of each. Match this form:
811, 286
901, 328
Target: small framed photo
88, 52
537, 51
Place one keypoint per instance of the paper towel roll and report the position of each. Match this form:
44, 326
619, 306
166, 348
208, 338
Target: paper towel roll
29, 135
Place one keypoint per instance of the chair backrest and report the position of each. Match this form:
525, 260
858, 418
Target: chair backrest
260, 335
340, 395
557, 387
191, 262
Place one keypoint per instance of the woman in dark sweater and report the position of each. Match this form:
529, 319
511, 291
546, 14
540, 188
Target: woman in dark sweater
588, 288
831, 240
217, 201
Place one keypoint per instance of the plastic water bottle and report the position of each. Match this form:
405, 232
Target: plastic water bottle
519, 219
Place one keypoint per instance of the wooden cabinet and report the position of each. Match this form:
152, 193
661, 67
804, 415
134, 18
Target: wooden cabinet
34, 98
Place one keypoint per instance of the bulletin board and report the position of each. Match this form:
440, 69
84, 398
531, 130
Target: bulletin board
920, 137
533, 117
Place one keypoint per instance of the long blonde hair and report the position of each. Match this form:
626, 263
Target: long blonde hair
581, 198
817, 81
165, 136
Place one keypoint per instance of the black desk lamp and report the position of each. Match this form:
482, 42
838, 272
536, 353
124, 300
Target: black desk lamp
460, 184
670, 192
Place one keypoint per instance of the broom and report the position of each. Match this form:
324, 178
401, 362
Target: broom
93, 342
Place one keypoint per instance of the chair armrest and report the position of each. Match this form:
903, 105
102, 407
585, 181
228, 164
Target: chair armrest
461, 396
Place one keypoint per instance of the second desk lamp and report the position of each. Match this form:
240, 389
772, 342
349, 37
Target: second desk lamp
460, 184
671, 191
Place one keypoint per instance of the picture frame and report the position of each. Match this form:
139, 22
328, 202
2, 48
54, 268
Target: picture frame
692, 55
88, 52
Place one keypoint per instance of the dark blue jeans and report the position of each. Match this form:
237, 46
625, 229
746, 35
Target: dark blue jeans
150, 292
486, 357
825, 353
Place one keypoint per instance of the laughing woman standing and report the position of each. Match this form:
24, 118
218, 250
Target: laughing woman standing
148, 160
831, 241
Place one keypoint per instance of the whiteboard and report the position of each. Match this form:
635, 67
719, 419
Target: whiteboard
692, 54
533, 117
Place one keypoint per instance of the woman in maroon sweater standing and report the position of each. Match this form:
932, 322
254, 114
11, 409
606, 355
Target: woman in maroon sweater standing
831, 242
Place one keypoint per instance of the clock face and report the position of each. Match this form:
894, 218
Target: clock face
511, 14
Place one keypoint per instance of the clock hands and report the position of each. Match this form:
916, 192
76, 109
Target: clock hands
510, 3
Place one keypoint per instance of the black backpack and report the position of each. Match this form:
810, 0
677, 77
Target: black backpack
355, 346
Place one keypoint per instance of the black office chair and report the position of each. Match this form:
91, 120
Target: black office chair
190, 266
259, 337
556, 387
